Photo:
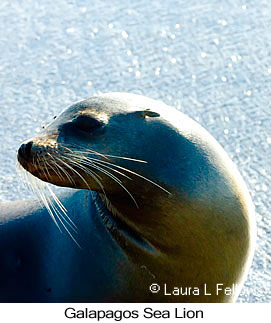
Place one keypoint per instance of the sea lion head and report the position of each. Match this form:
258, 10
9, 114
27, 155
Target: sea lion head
132, 147
105, 144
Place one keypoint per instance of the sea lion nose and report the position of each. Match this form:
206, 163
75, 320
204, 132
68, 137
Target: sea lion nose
25, 150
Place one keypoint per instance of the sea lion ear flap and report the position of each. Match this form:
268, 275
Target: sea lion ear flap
147, 113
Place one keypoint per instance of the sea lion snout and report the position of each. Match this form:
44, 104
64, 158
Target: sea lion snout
33, 153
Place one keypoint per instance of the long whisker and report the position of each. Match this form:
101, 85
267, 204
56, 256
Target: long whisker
113, 177
141, 176
59, 204
38, 188
63, 210
45, 166
55, 170
85, 161
94, 160
72, 169
64, 214
24, 175
95, 176
39, 166
88, 151
59, 216
70, 179
69, 159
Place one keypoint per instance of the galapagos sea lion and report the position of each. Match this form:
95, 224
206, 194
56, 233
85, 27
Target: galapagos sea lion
160, 213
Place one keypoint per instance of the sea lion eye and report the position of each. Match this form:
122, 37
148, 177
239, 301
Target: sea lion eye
147, 113
86, 123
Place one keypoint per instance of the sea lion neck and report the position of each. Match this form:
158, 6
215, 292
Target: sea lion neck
123, 233
149, 216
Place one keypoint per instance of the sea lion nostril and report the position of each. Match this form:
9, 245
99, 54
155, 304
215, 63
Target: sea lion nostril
25, 150
28, 148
